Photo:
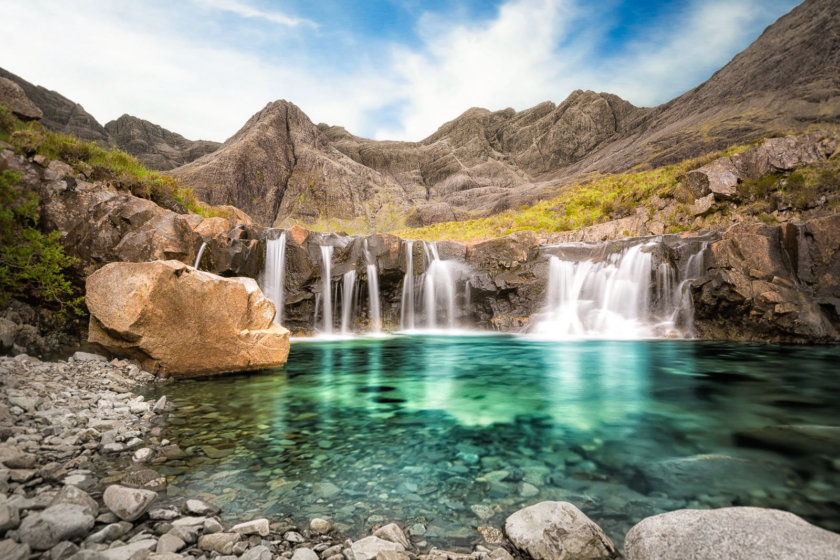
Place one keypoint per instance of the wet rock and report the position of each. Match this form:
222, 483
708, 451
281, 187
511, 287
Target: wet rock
9, 517
110, 532
319, 526
129, 550
11, 550
169, 543
73, 495
61, 551
368, 547
293, 537
491, 535
137, 309
325, 489
804, 439
254, 527
143, 455
219, 542
128, 503
556, 531
44, 530
740, 533
259, 552
199, 507
304, 553
392, 532
680, 478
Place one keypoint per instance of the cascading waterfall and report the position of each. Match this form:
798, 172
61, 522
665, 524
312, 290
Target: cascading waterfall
407, 300
612, 298
374, 315
348, 291
200, 254
326, 290
275, 270
438, 289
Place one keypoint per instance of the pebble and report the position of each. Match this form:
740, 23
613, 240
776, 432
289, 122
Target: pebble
255, 527
128, 503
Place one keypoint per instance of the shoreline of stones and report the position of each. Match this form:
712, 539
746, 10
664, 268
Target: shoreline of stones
59, 421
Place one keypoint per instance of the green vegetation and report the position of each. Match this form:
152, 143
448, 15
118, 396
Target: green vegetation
33, 264
599, 199
123, 170
799, 190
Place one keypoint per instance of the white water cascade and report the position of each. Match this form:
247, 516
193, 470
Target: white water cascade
326, 291
407, 300
438, 289
275, 270
374, 315
348, 291
200, 254
613, 298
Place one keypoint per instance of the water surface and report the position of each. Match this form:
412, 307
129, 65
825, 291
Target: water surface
448, 434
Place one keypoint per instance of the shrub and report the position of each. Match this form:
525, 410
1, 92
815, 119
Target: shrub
33, 264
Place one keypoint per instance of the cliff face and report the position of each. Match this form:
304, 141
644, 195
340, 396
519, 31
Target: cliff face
155, 147
483, 162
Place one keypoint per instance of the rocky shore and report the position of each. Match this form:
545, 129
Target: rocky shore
62, 423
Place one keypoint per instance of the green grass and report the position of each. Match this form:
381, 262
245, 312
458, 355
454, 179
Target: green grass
122, 170
596, 200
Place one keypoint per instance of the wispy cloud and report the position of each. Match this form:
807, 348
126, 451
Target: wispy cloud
201, 72
246, 10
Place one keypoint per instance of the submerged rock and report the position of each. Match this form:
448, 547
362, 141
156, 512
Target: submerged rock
558, 531
182, 322
738, 533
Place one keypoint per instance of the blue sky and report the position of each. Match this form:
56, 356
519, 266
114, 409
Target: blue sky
384, 69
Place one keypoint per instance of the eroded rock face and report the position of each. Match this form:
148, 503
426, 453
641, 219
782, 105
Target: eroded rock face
153, 145
738, 533
558, 531
182, 322
772, 283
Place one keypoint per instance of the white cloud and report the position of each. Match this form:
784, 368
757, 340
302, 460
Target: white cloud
115, 57
246, 10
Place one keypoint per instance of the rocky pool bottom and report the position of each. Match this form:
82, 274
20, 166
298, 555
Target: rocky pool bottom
91, 470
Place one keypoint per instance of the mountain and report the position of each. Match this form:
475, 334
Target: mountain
155, 147
483, 162
280, 164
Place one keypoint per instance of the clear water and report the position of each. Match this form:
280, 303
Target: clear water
455, 433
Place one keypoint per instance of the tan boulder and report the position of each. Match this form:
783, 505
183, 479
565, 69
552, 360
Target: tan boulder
182, 322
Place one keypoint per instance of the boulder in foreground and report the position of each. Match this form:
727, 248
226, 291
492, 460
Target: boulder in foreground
182, 322
558, 531
736, 533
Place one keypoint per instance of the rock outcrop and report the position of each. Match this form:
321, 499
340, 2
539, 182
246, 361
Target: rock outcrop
778, 283
737, 533
181, 322
153, 145
13, 97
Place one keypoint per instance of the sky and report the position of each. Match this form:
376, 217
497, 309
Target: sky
384, 69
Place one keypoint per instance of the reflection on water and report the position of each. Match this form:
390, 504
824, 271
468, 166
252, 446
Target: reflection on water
455, 433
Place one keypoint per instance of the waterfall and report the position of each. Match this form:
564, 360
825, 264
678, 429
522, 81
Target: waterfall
374, 316
273, 275
612, 298
407, 300
438, 289
326, 289
347, 293
200, 253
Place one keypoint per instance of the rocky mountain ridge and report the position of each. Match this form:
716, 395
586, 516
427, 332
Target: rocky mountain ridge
155, 147
483, 162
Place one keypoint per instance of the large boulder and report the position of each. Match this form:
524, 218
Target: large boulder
738, 533
57, 523
558, 531
183, 322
